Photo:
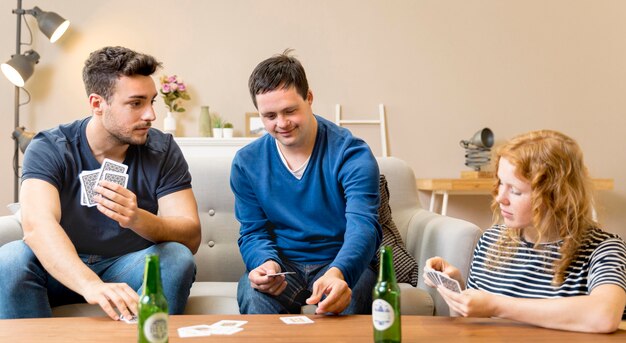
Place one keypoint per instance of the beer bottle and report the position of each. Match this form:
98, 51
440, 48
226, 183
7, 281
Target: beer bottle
386, 301
152, 321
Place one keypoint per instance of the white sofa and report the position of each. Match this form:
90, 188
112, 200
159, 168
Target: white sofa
219, 264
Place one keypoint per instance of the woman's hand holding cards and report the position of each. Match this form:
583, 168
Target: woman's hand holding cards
440, 265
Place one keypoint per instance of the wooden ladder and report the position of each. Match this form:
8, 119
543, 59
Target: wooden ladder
380, 121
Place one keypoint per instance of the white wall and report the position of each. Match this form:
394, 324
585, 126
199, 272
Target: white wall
444, 69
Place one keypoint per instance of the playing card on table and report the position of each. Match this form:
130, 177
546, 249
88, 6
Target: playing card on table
131, 320
229, 323
194, 331
296, 320
115, 177
88, 179
225, 330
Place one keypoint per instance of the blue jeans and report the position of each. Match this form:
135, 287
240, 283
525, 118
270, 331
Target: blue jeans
299, 288
28, 291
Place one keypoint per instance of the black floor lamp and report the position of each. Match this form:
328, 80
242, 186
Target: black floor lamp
21, 66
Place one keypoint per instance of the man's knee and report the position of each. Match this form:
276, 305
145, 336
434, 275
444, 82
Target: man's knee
16, 259
176, 257
252, 301
361, 302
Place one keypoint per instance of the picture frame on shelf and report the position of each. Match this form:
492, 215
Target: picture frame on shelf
254, 125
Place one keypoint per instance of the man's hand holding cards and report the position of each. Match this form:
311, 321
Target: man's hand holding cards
110, 171
441, 279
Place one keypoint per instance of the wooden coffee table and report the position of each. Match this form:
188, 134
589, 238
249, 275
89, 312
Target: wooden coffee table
269, 328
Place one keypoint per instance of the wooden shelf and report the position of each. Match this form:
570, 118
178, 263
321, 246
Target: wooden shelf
470, 186
484, 186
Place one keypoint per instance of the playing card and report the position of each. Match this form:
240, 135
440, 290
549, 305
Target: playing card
131, 320
88, 179
229, 323
225, 330
83, 197
115, 177
433, 276
281, 273
297, 320
110, 165
194, 331
449, 283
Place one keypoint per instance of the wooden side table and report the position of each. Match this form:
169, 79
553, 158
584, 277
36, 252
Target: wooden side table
446, 187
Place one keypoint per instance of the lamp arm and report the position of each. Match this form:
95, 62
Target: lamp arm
19, 11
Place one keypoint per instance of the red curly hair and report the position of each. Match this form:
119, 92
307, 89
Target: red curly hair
561, 191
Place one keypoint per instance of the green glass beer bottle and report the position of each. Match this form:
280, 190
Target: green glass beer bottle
386, 301
152, 321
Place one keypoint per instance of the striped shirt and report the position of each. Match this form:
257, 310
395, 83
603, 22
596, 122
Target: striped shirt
527, 272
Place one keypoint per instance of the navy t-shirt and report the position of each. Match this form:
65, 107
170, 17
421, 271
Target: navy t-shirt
59, 155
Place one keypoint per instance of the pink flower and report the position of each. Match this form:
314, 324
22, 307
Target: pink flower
174, 91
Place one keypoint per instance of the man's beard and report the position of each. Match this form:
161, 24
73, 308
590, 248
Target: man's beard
123, 140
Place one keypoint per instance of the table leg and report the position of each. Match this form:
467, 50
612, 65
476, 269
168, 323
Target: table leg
431, 207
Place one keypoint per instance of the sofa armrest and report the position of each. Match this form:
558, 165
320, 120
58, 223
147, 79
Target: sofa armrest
10, 229
430, 234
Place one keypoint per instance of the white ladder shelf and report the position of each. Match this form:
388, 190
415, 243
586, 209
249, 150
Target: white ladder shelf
380, 121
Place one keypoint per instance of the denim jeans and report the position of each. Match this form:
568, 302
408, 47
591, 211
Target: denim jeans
299, 288
28, 291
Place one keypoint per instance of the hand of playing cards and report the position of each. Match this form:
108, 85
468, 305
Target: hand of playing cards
439, 278
110, 171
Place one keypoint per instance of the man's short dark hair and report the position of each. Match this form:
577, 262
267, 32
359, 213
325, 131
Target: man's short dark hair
279, 71
106, 65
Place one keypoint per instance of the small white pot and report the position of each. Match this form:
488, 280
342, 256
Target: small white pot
217, 132
228, 133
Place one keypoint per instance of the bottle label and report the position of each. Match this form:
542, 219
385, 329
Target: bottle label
155, 328
382, 314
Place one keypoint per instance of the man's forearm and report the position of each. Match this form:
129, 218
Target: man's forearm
169, 229
59, 258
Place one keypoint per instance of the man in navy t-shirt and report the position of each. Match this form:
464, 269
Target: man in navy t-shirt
73, 253
306, 195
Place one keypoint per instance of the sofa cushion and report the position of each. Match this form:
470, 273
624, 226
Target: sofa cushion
404, 264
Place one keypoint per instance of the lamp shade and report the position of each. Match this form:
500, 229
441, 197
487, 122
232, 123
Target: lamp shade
51, 24
20, 67
481, 139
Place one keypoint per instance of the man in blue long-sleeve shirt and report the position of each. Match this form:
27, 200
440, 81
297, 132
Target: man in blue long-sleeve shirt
306, 195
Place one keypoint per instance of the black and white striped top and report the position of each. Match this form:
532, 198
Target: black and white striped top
528, 272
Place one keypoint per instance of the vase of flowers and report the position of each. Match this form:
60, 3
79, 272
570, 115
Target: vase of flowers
174, 91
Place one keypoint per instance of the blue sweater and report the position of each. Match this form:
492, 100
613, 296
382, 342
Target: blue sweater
330, 215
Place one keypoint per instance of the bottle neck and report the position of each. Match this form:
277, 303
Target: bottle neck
386, 272
152, 275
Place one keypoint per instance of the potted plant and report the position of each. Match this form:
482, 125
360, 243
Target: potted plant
227, 130
216, 120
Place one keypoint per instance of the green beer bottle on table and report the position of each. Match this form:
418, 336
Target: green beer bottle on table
152, 321
386, 301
